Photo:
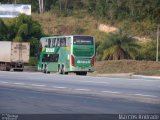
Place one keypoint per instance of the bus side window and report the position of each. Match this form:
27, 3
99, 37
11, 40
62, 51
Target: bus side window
46, 43
53, 42
68, 42
56, 56
58, 42
49, 42
63, 42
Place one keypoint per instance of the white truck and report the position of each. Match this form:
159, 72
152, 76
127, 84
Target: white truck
13, 55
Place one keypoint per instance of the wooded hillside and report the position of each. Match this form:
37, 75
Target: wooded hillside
133, 19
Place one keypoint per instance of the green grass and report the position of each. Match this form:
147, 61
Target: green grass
150, 73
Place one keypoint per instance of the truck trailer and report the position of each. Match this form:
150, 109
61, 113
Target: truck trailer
13, 55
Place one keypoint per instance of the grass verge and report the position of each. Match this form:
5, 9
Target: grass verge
128, 66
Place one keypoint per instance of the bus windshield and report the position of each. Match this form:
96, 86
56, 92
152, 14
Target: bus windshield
83, 40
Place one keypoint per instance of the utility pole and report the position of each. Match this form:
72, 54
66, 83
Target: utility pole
157, 43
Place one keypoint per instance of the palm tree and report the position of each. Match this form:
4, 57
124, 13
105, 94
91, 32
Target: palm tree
118, 46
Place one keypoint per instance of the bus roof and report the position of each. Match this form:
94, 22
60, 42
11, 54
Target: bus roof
64, 36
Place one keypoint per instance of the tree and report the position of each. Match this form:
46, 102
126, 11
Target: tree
91, 5
22, 29
3, 30
27, 30
147, 51
117, 46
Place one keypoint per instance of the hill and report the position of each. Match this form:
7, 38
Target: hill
83, 23
77, 24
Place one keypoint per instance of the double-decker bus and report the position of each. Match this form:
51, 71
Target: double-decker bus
64, 54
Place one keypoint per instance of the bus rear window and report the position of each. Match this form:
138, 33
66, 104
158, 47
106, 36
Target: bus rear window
83, 40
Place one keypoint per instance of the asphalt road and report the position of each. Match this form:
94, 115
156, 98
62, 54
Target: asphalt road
32, 93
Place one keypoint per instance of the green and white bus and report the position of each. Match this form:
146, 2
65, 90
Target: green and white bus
65, 54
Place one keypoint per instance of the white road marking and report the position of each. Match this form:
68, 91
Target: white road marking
145, 95
4, 82
38, 85
59, 87
3, 75
111, 92
35, 78
19, 83
83, 89
95, 82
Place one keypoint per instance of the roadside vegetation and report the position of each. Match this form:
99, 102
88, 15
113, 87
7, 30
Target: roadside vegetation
127, 66
117, 46
136, 22
21, 29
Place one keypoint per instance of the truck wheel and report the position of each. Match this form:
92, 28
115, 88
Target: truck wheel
8, 68
3, 67
0, 66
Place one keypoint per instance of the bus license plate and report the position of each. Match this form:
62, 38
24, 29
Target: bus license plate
82, 68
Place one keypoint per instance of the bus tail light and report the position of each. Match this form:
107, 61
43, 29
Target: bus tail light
72, 60
93, 59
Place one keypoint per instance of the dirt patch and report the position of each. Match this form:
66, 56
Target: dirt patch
107, 28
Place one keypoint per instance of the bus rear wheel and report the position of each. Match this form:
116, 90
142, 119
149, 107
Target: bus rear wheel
59, 69
63, 70
44, 69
